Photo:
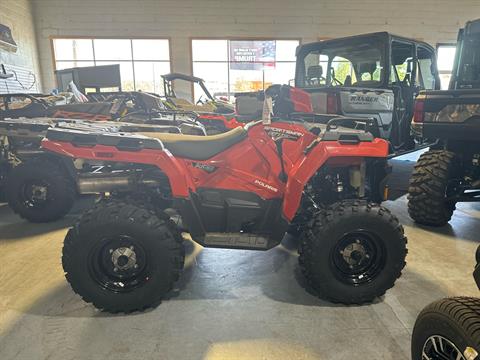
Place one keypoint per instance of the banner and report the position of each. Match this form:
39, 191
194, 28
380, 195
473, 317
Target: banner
252, 54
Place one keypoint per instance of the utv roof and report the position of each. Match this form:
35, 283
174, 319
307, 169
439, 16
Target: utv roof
382, 36
175, 76
473, 27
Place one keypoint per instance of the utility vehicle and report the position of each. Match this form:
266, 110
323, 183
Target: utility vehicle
239, 190
216, 115
206, 103
450, 171
449, 328
374, 76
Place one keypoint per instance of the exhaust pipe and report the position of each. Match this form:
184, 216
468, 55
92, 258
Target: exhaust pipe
102, 184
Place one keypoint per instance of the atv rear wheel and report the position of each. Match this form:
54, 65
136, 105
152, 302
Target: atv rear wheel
40, 190
353, 252
448, 329
429, 187
122, 257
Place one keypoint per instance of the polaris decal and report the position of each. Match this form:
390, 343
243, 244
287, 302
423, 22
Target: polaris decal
266, 186
205, 167
278, 133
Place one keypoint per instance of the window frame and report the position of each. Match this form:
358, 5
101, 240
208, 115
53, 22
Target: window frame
234, 38
418, 70
445, 72
52, 39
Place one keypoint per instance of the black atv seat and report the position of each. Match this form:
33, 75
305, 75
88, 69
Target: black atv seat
198, 147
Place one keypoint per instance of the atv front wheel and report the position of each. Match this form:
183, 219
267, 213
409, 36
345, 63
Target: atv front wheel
122, 257
429, 187
353, 252
40, 190
448, 329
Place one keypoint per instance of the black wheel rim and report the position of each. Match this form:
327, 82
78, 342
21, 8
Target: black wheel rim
35, 194
437, 347
358, 257
119, 264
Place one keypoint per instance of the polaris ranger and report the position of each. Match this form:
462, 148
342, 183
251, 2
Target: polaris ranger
375, 75
450, 171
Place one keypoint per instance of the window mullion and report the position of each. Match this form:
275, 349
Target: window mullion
93, 52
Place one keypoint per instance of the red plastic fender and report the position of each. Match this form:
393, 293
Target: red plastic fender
173, 168
308, 165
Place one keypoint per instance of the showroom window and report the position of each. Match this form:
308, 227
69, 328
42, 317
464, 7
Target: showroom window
230, 66
142, 61
445, 59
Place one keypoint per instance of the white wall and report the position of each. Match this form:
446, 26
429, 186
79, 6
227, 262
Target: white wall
430, 20
17, 15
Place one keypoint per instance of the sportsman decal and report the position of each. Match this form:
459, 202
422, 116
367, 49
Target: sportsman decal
277, 133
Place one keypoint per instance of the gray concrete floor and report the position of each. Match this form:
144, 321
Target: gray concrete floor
229, 304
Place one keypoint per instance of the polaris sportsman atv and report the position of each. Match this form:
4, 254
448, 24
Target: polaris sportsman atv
237, 190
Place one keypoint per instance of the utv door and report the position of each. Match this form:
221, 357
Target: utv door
401, 81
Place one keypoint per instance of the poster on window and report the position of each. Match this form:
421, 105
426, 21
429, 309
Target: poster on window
252, 55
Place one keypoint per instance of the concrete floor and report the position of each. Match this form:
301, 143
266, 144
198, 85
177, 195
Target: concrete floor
229, 304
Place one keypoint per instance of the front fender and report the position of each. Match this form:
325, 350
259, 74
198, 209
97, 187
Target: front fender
308, 165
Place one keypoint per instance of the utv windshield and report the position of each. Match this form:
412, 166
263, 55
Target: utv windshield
359, 64
469, 69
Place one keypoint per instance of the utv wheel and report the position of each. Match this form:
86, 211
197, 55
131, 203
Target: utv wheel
40, 191
353, 252
429, 187
122, 257
448, 329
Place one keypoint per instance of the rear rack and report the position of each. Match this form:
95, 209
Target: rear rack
28, 128
121, 141
347, 135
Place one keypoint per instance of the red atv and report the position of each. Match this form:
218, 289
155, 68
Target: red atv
241, 189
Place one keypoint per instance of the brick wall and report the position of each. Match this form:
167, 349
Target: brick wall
430, 20
17, 15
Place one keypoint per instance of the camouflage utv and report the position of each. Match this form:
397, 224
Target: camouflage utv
450, 171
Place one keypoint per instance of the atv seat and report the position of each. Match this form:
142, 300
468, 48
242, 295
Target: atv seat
198, 147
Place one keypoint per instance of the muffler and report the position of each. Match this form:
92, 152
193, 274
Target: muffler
109, 183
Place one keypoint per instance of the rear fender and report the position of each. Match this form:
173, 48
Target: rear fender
310, 164
173, 168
